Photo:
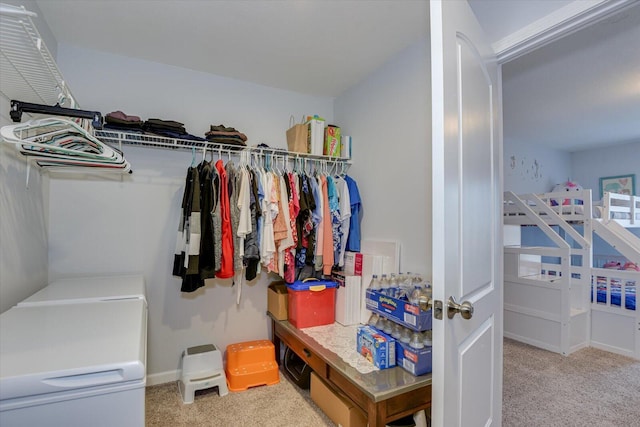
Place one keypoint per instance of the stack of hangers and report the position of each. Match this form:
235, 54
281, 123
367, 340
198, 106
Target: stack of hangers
61, 143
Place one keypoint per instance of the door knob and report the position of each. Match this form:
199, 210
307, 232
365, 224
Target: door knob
465, 309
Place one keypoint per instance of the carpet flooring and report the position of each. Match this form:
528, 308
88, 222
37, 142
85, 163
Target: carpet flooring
280, 405
588, 388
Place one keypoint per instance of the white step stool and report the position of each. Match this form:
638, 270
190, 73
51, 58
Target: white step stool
201, 368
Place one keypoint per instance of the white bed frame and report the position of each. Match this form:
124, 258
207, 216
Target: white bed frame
552, 304
624, 209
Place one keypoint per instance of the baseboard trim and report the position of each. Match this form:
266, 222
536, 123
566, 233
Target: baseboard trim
162, 377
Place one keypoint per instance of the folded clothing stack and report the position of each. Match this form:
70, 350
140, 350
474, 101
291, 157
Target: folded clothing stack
168, 128
226, 135
117, 120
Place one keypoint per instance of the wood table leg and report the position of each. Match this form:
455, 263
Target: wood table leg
276, 341
376, 414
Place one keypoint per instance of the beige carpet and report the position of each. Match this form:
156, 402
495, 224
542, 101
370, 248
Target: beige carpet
279, 405
588, 388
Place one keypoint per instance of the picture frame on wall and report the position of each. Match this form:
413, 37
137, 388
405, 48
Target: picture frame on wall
620, 184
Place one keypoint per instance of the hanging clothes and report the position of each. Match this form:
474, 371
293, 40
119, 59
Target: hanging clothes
345, 216
206, 266
305, 229
334, 209
216, 215
235, 218
269, 210
226, 259
327, 230
183, 228
251, 242
353, 241
316, 185
233, 178
191, 278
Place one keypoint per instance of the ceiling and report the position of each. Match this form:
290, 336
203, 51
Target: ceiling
577, 93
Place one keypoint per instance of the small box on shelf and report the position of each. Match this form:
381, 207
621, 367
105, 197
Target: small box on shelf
277, 300
377, 347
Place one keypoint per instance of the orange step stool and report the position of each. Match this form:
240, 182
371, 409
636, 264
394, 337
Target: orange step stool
251, 364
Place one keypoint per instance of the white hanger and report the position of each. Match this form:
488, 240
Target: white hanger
43, 142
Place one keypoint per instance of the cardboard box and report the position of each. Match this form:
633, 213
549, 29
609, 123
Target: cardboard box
331, 141
338, 407
353, 263
399, 311
278, 300
415, 360
377, 347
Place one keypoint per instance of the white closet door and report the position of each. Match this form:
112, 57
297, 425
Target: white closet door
467, 263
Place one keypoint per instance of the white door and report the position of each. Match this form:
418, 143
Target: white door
467, 230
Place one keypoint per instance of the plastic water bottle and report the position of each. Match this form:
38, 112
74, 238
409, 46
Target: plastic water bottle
374, 284
388, 327
426, 338
384, 285
416, 340
380, 323
405, 335
397, 331
373, 319
416, 293
392, 290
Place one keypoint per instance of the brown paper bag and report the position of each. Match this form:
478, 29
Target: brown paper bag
297, 140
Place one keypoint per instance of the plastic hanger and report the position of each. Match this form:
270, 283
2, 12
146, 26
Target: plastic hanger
53, 142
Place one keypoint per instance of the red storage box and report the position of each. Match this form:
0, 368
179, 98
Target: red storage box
312, 303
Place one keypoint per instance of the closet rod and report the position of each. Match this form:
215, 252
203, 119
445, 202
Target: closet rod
19, 107
114, 137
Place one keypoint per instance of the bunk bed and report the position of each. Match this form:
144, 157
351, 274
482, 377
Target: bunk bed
557, 295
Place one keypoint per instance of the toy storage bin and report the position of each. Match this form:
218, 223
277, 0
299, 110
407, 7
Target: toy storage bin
312, 303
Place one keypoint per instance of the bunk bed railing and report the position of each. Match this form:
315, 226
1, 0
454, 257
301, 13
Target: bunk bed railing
623, 208
615, 289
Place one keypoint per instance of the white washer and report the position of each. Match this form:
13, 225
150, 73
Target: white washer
74, 364
88, 289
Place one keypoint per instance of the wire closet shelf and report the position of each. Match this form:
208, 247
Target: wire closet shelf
28, 69
120, 138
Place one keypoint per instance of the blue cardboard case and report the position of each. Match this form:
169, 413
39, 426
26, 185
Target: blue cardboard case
400, 311
377, 347
415, 360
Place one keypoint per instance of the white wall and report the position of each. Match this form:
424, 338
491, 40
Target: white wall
23, 228
130, 224
389, 117
534, 169
23, 211
590, 165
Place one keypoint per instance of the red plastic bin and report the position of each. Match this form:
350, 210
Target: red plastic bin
312, 303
